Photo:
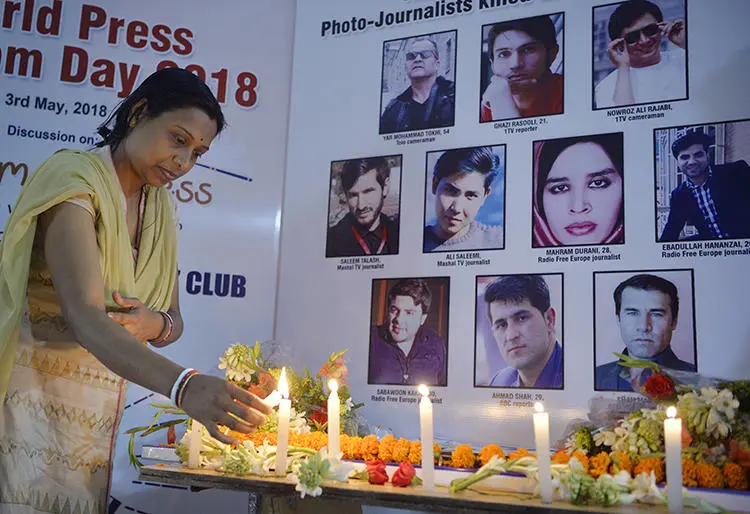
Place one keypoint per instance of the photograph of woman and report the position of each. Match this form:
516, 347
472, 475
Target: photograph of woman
578, 191
88, 277
464, 199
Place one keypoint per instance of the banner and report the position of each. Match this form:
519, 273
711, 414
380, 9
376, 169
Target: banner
67, 65
566, 180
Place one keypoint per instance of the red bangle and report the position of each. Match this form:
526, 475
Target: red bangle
183, 385
166, 331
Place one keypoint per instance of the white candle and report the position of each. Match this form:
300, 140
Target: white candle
425, 431
541, 439
285, 407
194, 448
673, 444
334, 421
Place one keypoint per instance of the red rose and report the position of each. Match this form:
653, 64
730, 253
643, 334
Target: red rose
376, 470
659, 387
319, 416
403, 475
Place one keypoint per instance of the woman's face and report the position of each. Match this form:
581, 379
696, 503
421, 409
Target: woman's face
458, 198
165, 148
582, 195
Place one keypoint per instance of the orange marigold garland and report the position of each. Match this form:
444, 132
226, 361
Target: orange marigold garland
689, 472
463, 457
486, 453
582, 458
620, 462
415, 452
520, 452
599, 464
370, 447
735, 476
560, 457
709, 476
401, 450
385, 450
647, 465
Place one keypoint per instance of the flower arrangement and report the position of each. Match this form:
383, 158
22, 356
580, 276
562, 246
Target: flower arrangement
716, 429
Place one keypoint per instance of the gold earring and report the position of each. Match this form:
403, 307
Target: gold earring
132, 123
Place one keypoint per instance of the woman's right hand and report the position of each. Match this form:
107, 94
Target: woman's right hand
210, 400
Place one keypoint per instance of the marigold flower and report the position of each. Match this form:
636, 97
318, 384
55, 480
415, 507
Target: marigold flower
355, 447
386, 447
520, 452
415, 452
560, 457
488, 451
709, 476
463, 457
582, 458
370, 447
401, 450
318, 440
735, 476
599, 464
620, 462
655, 464
689, 472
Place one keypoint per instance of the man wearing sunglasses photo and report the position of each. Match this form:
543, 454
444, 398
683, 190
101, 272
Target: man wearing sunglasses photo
644, 71
429, 101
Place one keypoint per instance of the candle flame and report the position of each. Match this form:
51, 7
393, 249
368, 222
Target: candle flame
538, 406
333, 386
671, 411
423, 390
283, 386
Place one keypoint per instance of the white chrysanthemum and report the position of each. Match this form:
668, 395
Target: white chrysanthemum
237, 361
644, 490
304, 489
605, 437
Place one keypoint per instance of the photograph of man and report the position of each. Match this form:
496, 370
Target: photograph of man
464, 199
646, 310
578, 191
522, 323
641, 57
408, 336
418, 91
713, 200
363, 207
524, 78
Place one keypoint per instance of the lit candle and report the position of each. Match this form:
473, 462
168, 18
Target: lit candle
541, 439
673, 445
194, 448
334, 414
285, 407
425, 428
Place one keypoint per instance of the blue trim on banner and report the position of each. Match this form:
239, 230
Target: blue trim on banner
235, 175
139, 401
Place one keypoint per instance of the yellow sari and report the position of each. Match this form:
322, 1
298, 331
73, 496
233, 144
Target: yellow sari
59, 406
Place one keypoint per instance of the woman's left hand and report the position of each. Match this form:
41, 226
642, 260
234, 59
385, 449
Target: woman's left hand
143, 323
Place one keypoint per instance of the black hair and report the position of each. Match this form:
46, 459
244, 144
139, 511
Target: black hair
541, 28
647, 282
354, 169
416, 288
518, 288
479, 159
690, 139
164, 90
628, 12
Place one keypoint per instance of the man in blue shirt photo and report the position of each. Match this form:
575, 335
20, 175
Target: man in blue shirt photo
523, 325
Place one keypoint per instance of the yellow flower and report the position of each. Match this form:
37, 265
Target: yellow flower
370, 447
401, 450
385, 450
463, 457
488, 451
582, 458
689, 472
355, 447
599, 464
520, 452
560, 457
415, 452
735, 476
709, 476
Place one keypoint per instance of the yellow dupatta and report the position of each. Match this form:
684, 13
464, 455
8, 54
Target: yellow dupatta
68, 174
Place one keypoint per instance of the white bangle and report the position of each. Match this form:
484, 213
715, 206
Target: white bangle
177, 385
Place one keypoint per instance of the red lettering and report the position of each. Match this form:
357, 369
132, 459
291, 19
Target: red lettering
166, 64
24, 55
75, 62
49, 18
104, 76
183, 37
160, 33
28, 15
9, 9
137, 34
115, 24
92, 17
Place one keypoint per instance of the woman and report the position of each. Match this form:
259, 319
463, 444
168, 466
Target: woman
88, 275
461, 183
578, 188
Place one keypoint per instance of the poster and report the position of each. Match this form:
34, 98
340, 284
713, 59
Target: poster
605, 124
66, 65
